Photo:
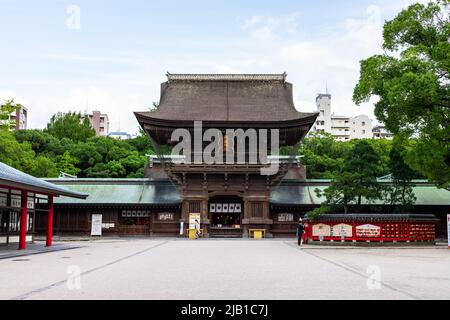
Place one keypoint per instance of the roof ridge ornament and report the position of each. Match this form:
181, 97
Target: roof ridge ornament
226, 77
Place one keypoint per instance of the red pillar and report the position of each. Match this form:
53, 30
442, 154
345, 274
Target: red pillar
50, 221
23, 222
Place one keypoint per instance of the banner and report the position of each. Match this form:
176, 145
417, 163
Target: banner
96, 225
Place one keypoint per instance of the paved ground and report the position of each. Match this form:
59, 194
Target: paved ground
226, 269
10, 251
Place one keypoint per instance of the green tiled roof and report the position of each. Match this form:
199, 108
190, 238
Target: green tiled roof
298, 193
145, 191
120, 191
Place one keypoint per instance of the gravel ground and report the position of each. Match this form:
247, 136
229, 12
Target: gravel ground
226, 269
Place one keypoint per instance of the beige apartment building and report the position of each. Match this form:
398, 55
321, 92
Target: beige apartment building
99, 121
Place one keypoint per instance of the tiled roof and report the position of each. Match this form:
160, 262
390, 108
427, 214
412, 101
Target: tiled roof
303, 193
227, 98
10, 177
226, 77
120, 191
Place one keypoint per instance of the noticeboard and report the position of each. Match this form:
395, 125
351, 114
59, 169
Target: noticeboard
96, 225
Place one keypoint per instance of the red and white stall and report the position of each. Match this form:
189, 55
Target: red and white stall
372, 228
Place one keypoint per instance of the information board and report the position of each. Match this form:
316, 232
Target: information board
96, 225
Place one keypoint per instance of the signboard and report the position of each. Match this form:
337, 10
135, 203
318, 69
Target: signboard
368, 231
192, 218
343, 230
225, 207
96, 225
212, 207
448, 228
321, 230
237, 208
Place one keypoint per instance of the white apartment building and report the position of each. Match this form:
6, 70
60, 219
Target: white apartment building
343, 128
380, 132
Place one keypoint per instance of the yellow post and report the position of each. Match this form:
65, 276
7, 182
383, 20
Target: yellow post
191, 233
257, 235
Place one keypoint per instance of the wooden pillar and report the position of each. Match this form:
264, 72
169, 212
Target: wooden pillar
23, 222
50, 221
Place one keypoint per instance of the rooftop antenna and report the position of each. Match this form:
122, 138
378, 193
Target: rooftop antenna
326, 88
87, 103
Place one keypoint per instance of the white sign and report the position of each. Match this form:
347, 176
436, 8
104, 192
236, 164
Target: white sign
343, 230
321, 230
96, 225
368, 231
192, 220
448, 228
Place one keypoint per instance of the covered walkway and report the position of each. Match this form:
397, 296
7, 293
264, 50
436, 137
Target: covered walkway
19, 194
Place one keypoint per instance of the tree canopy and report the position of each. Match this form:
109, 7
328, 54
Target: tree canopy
411, 82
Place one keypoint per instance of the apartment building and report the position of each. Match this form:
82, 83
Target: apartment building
19, 119
343, 128
380, 132
99, 121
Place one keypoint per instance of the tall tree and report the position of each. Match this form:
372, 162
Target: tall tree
364, 163
411, 80
400, 192
69, 125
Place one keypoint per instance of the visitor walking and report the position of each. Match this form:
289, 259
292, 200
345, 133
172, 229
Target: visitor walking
197, 229
300, 231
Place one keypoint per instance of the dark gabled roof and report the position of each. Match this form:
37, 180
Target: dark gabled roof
226, 98
10, 177
120, 191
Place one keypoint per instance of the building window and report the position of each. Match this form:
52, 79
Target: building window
194, 207
363, 123
364, 132
256, 209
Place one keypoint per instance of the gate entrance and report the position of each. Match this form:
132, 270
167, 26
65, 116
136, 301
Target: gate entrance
226, 215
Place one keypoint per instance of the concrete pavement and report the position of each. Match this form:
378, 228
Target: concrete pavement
226, 269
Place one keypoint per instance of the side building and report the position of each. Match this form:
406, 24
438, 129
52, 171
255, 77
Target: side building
343, 128
99, 121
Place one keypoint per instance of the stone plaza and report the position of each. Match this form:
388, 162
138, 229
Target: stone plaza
168, 268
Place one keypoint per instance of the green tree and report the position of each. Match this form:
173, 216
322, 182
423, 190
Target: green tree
44, 168
323, 156
6, 109
400, 192
67, 164
411, 80
364, 163
341, 193
18, 155
69, 125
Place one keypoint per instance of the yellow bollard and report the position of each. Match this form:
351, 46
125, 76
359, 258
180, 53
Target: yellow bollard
257, 235
191, 233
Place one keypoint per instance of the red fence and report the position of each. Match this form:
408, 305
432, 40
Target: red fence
372, 228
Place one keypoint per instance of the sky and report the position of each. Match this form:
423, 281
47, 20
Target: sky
60, 56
